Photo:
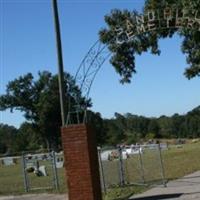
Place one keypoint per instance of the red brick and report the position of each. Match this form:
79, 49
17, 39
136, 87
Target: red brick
81, 162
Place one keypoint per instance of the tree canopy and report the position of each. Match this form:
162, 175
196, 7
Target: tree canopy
123, 54
7, 137
131, 128
127, 128
39, 101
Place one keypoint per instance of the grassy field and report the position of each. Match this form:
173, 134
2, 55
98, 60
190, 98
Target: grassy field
12, 181
177, 162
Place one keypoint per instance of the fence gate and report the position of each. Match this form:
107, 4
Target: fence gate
136, 165
40, 171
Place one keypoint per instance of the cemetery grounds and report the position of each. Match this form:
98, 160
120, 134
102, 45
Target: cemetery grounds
178, 161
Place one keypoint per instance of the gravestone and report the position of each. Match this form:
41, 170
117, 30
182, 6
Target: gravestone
59, 163
8, 161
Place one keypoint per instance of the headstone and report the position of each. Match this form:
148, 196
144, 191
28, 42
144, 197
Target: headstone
42, 171
105, 155
8, 161
59, 163
32, 163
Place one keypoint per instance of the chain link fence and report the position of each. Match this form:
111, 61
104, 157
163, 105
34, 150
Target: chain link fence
40, 171
32, 171
133, 165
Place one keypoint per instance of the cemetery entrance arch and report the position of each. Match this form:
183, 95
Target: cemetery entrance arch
170, 18
77, 136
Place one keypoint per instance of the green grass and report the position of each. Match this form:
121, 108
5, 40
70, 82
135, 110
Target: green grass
12, 181
181, 161
177, 163
123, 193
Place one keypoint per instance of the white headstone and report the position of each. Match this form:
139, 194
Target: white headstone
59, 163
8, 161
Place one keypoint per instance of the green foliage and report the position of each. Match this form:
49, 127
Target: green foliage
123, 55
7, 137
123, 193
39, 101
150, 136
97, 124
115, 129
154, 128
130, 128
13, 141
26, 139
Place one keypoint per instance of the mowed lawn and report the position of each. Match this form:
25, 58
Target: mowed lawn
182, 161
12, 179
177, 163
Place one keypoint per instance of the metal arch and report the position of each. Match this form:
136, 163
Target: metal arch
85, 75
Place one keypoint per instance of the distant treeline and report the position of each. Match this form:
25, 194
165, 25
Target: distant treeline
131, 128
126, 128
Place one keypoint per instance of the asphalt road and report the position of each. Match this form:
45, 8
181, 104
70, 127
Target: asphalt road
186, 188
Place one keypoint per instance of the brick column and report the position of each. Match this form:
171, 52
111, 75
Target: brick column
81, 162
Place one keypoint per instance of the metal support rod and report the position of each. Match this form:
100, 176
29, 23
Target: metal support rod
121, 167
60, 60
103, 183
55, 174
162, 166
141, 165
26, 185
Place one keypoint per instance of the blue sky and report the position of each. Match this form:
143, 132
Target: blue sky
27, 44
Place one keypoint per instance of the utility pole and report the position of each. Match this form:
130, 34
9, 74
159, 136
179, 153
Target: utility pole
60, 60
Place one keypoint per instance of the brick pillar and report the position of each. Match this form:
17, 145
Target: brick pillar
81, 162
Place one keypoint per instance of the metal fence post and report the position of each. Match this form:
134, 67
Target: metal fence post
102, 176
121, 167
26, 185
162, 166
55, 174
141, 165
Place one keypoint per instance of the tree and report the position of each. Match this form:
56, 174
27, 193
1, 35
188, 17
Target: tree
123, 55
193, 122
39, 101
115, 129
26, 139
154, 128
165, 124
98, 126
7, 137
131, 128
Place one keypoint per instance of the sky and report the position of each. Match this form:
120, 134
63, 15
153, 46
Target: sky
27, 44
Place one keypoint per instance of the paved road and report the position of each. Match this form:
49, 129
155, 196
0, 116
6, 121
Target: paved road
186, 188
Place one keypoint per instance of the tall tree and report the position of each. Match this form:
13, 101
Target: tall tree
7, 138
98, 126
154, 128
27, 139
39, 100
123, 23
